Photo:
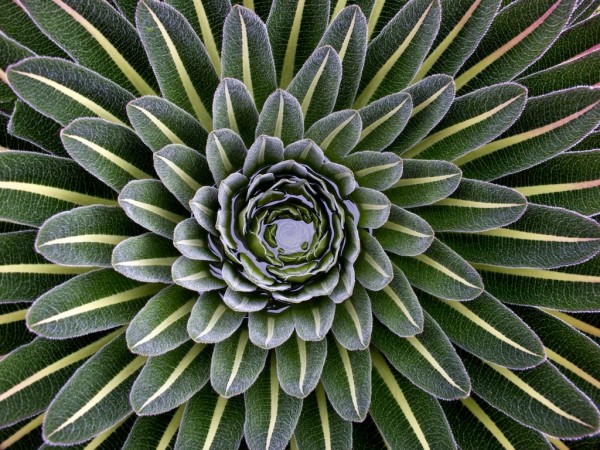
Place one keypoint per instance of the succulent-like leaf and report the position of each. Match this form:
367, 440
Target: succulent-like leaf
183, 69
316, 85
233, 108
373, 266
211, 321
270, 330
281, 117
84, 236
487, 329
147, 257
91, 302
182, 170
264, 152
336, 134
236, 364
154, 430
97, 37
313, 321
404, 233
160, 325
97, 392
247, 54
405, 414
269, 408
158, 123
540, 398
299, 365
31, 201
168, 380
211, 420
32, 126
441, 272
149, 204
353, 322
427, 359
472, 120
18, 261
192, 241
13, 332
225, 152
112, 153
395, 55
320, 427
44, 85
373, 206
33, 374
474, 206
375, 170
347, 380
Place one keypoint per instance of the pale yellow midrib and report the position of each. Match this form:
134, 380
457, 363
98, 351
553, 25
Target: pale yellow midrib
347, 365
23, 431
57, 193
179, 313
556, 188
169, 134
324, 416
538, 273
168, 215
443, 269
426, 354
355, 320
369, 129
187, 179
87, 239
214, 422
287, 71
306, 101
237, 361
532, 236
564, 362
171, 429
207, 36
396, 299
216, 316
44, 268
487, 422
274, 403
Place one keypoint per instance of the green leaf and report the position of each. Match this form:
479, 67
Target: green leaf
313, 321
233, 108
270, 409
153, 431
182, 170
245, 301
192, 241
404, 414
396, 54
427, 359
95, 397
13, 332
30, 125
265, 151
195, 275
34, 373
29, 200
347, 380
573, 288
473, 417
336, 134
294, 29
225, 152
161, 324
158, 123
549, 124
347, 34
91, 302
247, 54
145, 258
431, 99
211, 421
65, 91
519, 34
97, 37
236, 364
26, 434
373, 266
472, 120
464, 24
570, 180
269, 330
320, 427
540, 398
168, 380
543, 238
353, 322
584, 10
441, 272
184, 71
149, 204
375, 170
574, 354
299, 365
24, 274
424, 182
474, 206
316, 85
84, 236
404, 233
112, 153
373, 206
281, 117
205, 205
383, 120
488, 329
396, 306
211, 320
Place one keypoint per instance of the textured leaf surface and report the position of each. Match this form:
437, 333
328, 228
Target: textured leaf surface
233, 108
353, 321
299, 365
211, 321
373, 266
281, 117
404, 233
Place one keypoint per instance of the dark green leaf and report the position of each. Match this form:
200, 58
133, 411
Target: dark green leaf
270, 330
28, 124
373, 266
13, 332
150, 432
299, 365
353, 321
375, 170
211, 320
265, 151
233, 108
195, 275
373, 207
225, 152
404, 233
281, 117
192, 241
313, 321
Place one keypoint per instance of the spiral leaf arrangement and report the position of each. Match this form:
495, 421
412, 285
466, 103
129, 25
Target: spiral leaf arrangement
299, 223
